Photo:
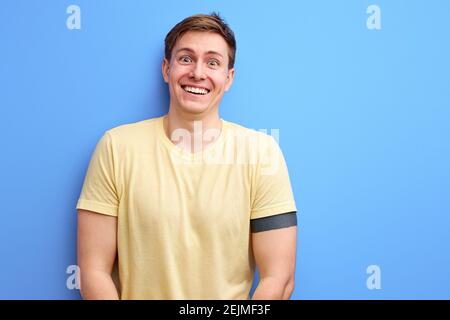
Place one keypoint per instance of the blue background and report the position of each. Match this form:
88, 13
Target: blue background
363, 118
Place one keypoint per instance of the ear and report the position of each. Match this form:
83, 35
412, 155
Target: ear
230, 78
165, 70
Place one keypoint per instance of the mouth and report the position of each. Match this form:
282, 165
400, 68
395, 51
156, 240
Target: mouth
195, 90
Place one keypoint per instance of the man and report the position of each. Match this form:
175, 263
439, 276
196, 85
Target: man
188, 202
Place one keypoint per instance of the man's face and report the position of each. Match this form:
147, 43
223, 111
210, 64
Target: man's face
198, 73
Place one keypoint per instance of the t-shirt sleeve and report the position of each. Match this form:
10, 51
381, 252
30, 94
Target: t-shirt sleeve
272, 193
99, 191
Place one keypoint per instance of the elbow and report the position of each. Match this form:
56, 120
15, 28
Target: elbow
288, 289
91, 282
274, 288
82, 294
83, 286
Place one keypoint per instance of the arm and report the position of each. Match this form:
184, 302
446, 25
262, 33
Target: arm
97, 234
274, 252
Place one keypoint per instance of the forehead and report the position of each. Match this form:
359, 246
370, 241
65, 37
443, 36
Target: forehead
202, 42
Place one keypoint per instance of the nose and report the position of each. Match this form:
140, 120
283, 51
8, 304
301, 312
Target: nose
197, 71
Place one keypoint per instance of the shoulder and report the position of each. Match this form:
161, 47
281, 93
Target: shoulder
133, 132
237, 130
253, 145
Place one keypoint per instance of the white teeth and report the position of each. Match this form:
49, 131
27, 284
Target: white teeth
195, 90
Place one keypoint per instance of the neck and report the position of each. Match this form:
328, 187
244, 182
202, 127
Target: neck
196, 125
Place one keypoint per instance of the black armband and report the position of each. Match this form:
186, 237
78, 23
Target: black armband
278, 221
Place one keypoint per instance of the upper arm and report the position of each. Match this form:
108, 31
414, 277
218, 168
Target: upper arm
275, 252
100, 188
97, 241
273, 215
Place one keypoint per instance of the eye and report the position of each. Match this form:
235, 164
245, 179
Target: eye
185, 59
213, 63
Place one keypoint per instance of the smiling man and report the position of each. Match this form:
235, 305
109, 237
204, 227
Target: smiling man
188, 203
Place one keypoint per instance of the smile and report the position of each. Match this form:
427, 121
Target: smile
195, 90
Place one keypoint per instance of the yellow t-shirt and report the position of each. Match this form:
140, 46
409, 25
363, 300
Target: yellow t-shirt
184, 218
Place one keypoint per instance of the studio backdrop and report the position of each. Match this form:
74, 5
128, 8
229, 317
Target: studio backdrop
359, 92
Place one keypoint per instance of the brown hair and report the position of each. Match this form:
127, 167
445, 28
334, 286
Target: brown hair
202, 22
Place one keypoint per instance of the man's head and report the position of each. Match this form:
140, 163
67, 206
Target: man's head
205, 23
199, 62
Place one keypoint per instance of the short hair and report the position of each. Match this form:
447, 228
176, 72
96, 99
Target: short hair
206, 23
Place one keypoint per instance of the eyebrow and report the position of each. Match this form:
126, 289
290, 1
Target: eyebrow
190, 50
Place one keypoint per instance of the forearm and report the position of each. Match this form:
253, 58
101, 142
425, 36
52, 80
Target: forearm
270, 288
98, 285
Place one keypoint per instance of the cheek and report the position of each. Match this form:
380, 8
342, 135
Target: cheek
223, 84
220, 81
176, 72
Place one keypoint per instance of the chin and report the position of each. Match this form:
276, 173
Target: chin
194, 108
